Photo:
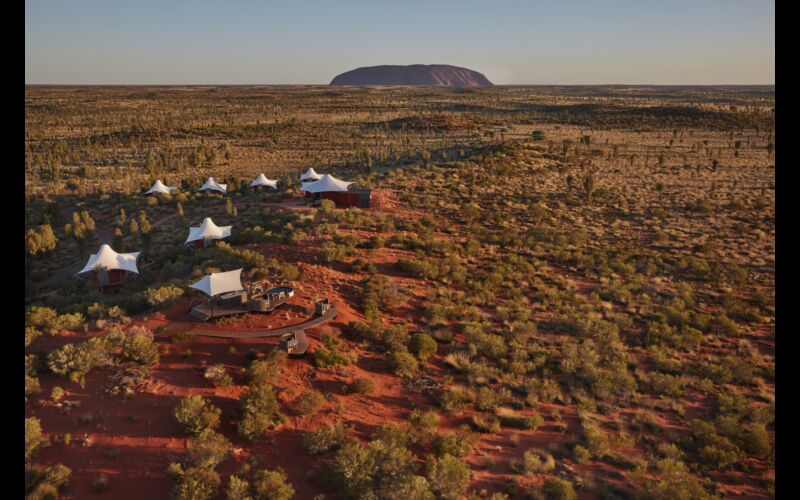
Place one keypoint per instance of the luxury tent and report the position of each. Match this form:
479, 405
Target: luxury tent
340, 192
261, 183
310, 175
207, 233
223, 288
109, 268
212, 185
160, 188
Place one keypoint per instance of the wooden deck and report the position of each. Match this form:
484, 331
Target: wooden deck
311, 323
204, 312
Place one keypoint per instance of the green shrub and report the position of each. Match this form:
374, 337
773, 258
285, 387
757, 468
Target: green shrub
272, 485
402, 363
454, 400
422, 345
486, 422
139, 346
197, 414
326, 439
458, 444
362, 385
208, 449
558, 489
41, 484
162, 296
266, 370
308, 403
238, 489
675, 482
449, 477
260, 411
33, 436
196, 483
533, 461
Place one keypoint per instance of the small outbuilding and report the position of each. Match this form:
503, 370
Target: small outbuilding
109, 268
340, 192
261, 183
310, 175
207, 234
211, 186
160, 188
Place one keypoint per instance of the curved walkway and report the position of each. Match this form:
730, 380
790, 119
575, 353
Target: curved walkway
318, 320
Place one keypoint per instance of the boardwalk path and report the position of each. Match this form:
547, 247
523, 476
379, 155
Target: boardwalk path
318, 320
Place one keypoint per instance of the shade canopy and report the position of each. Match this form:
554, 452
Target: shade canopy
212, 185
208, 231
160, 188
310, 175
325, 184
107, 259
262, 180
216, 283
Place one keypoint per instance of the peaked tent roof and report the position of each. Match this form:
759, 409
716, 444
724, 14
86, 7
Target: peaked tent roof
262, 180
217, 283
326, 183
107, 258
310, 174
208, 230
212, 185
159, 187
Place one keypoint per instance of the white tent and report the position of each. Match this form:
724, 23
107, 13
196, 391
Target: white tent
262, 180
216, 283
160, 188
326, 183
212, 185
208, 231
310, 175
107, 259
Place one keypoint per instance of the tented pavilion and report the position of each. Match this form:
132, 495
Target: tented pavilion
109, 268
226, 295
310, 175
340, 192
211, 186
160, 188
261, 183
207, 233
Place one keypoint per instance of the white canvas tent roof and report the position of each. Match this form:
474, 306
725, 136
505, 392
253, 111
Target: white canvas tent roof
212, 185
326, 183
160, 188
216, 283
208, 231
262, 180
106, 258
310, 174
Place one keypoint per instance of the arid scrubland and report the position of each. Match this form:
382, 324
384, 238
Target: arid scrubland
559, 292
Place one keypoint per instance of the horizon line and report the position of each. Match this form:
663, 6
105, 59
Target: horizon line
421, 86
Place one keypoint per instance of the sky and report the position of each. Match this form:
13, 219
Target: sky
569, 42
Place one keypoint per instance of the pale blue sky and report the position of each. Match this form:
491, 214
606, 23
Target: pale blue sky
310, 42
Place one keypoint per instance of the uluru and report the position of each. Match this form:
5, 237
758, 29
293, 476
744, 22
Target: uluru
434, 75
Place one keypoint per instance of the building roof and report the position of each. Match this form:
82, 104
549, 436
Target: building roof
262, 180
325, 184
107, 259
217, 283
212, 185
310, 175
208, 231
160, 188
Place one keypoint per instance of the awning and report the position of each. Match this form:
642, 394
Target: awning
262, 180
310, 175
107, 259
212, 185
325, 184
208, 231
160, 188
217, 283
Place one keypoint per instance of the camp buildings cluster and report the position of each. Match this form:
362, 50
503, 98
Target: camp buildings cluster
108, 268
